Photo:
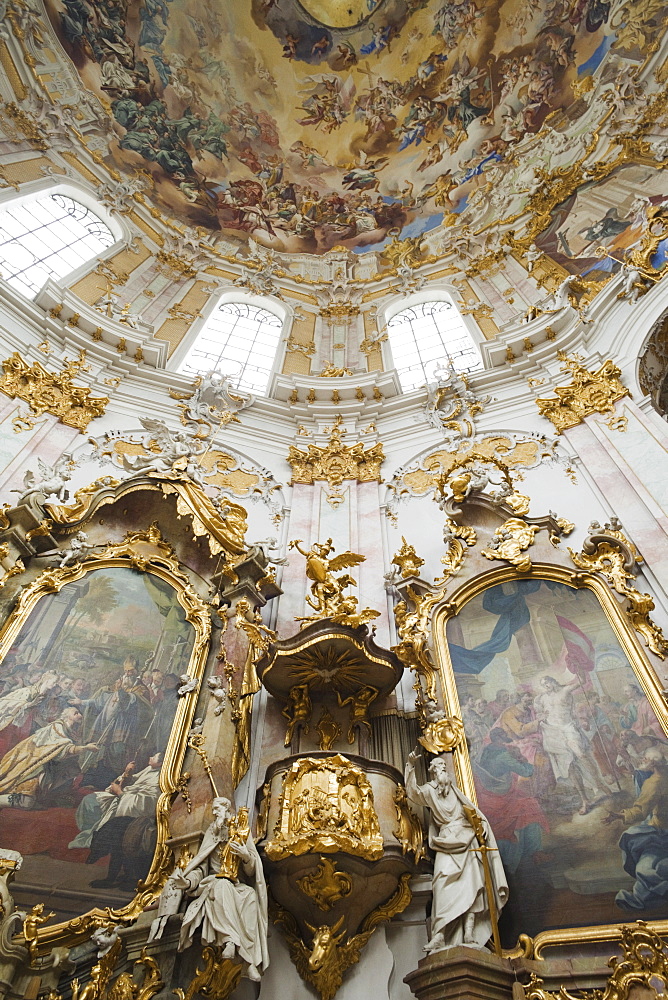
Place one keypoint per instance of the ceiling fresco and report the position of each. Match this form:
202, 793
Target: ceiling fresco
311, 124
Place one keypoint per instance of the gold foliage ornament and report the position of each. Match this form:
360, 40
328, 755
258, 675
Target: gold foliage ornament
407, 560
51, 392
326, 805
510, 541
413, 630
457, 537
217, 980
644, 961
326, 886
330, 954
409, 831
336, 462
607, 558
589, 392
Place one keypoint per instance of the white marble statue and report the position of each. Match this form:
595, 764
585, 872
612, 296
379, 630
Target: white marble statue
50, 480
173, 446
460, 909
230, 912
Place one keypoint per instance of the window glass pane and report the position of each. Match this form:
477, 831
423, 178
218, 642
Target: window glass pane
427, 335
239, 340
48, 238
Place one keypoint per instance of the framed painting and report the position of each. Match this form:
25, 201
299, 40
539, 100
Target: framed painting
566, 751
92, 728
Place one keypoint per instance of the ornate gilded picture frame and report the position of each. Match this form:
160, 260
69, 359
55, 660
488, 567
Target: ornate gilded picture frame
565, 725
94, 729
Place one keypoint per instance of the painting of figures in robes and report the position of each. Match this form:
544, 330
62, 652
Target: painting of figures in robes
88, 696
592, 235
569, 759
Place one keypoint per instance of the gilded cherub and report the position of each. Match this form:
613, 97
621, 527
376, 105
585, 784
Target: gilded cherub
297, 711
359, 708
31, 924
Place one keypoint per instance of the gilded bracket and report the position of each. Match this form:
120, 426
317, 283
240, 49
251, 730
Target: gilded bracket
644, 960
51, 392
323, 963
589, 392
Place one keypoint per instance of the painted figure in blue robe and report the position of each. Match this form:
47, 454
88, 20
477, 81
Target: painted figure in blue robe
644, 845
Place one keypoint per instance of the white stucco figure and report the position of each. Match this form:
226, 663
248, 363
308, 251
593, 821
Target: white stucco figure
460, 909
230, 912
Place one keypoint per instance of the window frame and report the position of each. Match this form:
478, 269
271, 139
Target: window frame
45, 188
399, 304
234, 295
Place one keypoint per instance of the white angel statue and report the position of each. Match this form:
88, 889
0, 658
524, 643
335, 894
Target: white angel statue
51, 480
175, 448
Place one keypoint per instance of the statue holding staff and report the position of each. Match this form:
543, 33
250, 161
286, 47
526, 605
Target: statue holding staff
469, 883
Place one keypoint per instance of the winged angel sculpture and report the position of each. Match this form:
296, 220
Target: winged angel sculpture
167, 451
327, 598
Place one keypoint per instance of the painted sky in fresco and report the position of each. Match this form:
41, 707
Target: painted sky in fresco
258, 119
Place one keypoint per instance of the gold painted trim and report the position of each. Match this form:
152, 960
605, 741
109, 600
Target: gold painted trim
146, 552
642, 668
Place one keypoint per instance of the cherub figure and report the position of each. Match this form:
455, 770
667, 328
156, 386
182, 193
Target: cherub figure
167, 451
359, 709
297, 711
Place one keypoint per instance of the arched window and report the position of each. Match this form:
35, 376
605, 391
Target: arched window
426, 335
48, 238
240, 340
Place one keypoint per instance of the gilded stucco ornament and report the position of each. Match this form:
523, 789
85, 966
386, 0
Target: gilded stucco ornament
404, 253
407, 560
331, 952
409, 830
326, 805
588, 392
607, 551
326, 885
641, 967
336, 462
424, 476
413, 627
51, 392
327, 598
217, 980
510, 542
259, 638
456, 537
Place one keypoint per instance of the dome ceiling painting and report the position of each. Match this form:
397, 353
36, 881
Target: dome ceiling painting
311, 124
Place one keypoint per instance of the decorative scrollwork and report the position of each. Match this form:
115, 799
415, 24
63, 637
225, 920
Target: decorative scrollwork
589, 392
644, 959
510, 541
605, 555
52, 392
